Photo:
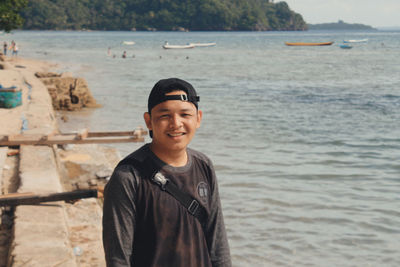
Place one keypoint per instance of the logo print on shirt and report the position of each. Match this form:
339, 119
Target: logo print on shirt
202, 191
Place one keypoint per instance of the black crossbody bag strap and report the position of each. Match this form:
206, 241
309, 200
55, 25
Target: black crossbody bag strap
149, 170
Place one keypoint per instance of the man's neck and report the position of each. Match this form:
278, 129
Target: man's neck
173, 158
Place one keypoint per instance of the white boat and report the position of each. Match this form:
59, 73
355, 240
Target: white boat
128, 42
203, 44
168, 46
355, 41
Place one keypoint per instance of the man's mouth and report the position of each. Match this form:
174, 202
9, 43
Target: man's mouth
175, 134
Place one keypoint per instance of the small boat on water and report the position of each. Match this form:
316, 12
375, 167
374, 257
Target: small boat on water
203, 44
345, 46
168, 46
355, 41
308, 44
128, 42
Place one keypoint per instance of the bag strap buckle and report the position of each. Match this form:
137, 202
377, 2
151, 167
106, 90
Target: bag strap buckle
193, 207
160, 179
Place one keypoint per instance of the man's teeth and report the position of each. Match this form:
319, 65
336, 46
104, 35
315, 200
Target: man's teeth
174, 135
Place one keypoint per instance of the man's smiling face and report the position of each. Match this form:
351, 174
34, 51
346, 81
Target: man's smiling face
173, 123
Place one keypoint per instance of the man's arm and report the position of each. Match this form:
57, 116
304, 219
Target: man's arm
216, 234
119, 217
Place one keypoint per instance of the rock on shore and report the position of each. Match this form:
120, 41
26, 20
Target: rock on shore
67, 92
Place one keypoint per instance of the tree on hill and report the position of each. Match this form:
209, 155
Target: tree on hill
9, 14
167, 15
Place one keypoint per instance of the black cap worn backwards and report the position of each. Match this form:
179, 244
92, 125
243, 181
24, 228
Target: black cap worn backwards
162, 87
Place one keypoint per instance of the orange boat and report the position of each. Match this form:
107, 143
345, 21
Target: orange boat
308, 44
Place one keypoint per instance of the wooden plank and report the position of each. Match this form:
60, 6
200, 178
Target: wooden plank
72, 141
23, 137
3, 157
83, 134
84, 137
125, 133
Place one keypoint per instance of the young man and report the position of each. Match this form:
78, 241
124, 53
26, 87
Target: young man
161, 205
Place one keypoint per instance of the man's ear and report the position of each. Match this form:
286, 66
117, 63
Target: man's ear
199, 118
147, 120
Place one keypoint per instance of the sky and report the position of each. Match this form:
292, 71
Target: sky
375, 13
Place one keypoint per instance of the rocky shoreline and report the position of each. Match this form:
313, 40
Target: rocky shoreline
67, 92
57, 234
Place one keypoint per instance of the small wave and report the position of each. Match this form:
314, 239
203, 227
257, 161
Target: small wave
270, 201
357, 241
378, 228
244, 185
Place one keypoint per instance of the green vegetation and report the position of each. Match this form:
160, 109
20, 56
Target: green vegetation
9, 14
340, 25
165, 15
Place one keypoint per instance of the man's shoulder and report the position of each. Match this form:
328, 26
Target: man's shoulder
133, 162
129, 168
199, 156
138, 155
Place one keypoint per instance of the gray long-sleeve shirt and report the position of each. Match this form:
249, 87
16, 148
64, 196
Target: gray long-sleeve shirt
145, 226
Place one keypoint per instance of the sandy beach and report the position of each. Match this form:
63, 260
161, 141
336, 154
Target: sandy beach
61, 234
20, 73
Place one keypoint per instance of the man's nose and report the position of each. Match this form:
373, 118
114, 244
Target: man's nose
175, 121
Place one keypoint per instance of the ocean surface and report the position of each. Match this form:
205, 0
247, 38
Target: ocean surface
305, 140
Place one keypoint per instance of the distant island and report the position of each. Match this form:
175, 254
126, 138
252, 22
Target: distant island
340, 25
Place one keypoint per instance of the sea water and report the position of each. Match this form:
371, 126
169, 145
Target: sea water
305, 140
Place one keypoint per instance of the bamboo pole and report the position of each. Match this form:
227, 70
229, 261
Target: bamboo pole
16, 199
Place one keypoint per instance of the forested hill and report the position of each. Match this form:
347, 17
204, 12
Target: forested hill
163, 15
340, 25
